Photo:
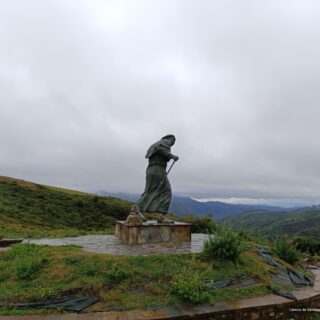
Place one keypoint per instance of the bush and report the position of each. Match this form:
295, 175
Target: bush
189, 286
72, 261
115, 276
307, 245
200, 224
224, 245
286, 251
89, 268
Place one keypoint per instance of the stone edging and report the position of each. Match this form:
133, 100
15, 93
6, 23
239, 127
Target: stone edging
265, 307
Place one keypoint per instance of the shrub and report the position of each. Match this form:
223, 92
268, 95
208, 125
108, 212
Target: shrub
200, 224
115, 276
89, 268
72, 261
224, 245
189, 286
286, 251
307, 245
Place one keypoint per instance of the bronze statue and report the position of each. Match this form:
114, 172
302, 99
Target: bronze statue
157, 193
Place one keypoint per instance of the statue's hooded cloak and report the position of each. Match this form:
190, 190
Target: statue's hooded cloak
163, 146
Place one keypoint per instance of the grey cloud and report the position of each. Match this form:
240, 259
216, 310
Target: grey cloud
87, 86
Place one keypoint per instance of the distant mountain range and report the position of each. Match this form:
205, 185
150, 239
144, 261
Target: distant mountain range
300, 222
185, 205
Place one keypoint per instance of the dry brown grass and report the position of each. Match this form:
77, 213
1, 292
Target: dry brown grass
22, 183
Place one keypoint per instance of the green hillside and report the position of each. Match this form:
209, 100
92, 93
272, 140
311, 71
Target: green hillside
265, 223
29, 209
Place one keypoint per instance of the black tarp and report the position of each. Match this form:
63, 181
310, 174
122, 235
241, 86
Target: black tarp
71, 303
285, 276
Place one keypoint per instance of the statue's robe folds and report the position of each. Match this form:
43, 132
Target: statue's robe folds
157, 193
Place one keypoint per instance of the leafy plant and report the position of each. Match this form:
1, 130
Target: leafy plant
28, 267
307, 245
189, 286
286, 251
115, 276
224, 245
72, 261
89, 268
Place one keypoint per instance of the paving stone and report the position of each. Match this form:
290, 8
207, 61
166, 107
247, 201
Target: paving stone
173, 312
258, 301
194, 309
316, 272
110, 244
91, 316
305, 293
316, 286
115, 315
219, 306
146, 315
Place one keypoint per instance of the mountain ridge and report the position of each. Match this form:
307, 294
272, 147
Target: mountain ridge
186, 205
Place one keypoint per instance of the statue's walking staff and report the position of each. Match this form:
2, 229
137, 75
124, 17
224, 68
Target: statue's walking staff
164, 177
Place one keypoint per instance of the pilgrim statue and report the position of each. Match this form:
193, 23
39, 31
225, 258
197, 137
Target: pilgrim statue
157, 193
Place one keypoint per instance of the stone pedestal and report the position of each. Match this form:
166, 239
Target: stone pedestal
152, 232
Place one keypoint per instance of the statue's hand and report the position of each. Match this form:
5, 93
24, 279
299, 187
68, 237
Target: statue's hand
175, 158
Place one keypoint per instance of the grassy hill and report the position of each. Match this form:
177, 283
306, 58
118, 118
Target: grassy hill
30, 209
304, 222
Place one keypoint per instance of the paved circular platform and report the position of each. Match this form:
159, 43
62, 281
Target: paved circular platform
110, 244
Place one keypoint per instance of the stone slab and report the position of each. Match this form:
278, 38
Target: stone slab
151, 232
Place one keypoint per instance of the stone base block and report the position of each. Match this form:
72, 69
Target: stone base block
152, 232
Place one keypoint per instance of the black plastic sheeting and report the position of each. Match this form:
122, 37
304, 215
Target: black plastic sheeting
285, 276
285, 294
70, 303
232, 282
299, 278
281, 278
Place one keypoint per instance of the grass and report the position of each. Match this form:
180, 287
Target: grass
32, 273
32, 210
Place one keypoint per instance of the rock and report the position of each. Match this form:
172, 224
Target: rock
135, 217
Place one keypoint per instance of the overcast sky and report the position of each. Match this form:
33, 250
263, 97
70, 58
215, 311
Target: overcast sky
87, 86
